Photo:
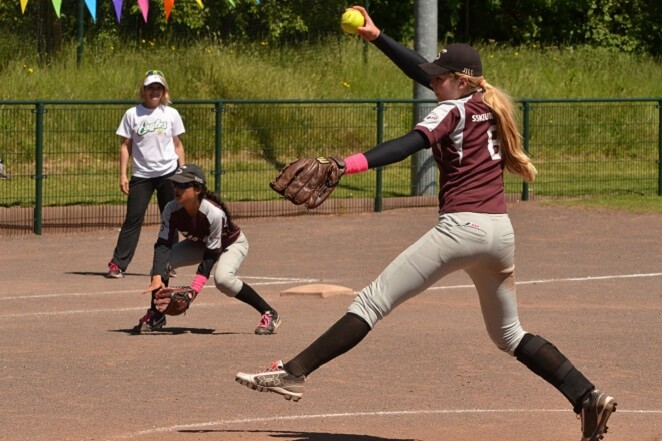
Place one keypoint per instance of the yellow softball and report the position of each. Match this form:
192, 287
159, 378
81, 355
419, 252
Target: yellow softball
351, 20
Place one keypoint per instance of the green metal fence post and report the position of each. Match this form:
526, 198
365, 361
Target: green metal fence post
218, 146
659, 148
81, 33
379, 190
526, 134
39, 167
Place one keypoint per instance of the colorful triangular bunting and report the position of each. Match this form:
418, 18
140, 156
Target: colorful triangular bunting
92, 7
57, 5
144, 8
168, 4
118, 9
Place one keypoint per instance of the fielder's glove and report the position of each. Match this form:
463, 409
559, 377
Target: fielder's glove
309, 181
174, 300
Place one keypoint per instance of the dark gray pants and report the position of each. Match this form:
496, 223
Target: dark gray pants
140, 193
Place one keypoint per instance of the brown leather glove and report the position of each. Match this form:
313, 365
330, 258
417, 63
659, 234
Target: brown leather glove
174, 300
309, 181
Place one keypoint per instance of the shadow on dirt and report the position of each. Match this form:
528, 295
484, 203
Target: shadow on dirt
305, 436
103, 274
176, 331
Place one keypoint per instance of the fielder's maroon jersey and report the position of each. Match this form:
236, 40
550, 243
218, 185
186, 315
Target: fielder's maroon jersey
463, 137
209, 227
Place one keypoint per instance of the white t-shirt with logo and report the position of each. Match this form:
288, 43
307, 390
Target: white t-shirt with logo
151, 132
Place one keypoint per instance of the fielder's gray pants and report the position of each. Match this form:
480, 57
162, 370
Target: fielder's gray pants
188, 252
483, 245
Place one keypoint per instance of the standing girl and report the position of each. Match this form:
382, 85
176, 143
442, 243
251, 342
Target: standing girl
150, 133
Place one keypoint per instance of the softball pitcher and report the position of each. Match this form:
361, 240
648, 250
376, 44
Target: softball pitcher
473, 136
210, 238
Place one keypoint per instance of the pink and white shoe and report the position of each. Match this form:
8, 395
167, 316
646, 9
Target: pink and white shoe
275, 379
268, 323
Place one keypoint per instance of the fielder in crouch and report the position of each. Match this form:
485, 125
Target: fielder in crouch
473, 136
211, 240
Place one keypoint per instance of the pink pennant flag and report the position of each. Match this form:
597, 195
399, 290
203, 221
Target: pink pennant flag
118, 9
144, 7
168, 4
199, 2
92, 7
24, 3
57, 5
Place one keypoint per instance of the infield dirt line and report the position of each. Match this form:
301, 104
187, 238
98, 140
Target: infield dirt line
351, 415
566, 279
280, 281
284, 281
274, 281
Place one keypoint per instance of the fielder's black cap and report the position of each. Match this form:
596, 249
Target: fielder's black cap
456, 57
189, 173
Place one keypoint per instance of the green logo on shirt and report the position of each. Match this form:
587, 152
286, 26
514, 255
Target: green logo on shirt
146, 127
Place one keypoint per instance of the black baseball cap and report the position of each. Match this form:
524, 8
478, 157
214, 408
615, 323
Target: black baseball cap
456, 57
189, 173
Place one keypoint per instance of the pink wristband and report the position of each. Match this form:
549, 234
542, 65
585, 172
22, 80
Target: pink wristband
356, 163
198, 282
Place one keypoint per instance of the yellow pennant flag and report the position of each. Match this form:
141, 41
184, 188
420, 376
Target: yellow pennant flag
199, 2
57, 4
24, 3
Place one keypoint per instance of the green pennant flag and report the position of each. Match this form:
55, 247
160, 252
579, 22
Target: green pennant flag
57, 5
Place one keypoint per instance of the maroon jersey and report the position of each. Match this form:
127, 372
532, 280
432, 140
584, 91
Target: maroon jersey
209, 227
463, 137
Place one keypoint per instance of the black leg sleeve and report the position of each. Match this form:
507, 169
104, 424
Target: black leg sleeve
249, 296
550, 364
338, 339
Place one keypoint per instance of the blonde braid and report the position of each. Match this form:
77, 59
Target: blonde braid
510, 141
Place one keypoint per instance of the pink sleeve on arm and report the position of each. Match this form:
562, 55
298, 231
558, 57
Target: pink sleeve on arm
356, 163
198, 282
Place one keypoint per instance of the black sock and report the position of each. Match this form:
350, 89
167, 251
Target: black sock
250, 297
338, 339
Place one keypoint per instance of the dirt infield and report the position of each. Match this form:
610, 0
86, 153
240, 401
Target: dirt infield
590, 281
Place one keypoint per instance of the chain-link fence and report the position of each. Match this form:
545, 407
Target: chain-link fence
63, 157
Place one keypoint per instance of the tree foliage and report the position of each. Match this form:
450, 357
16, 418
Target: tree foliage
627, 25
